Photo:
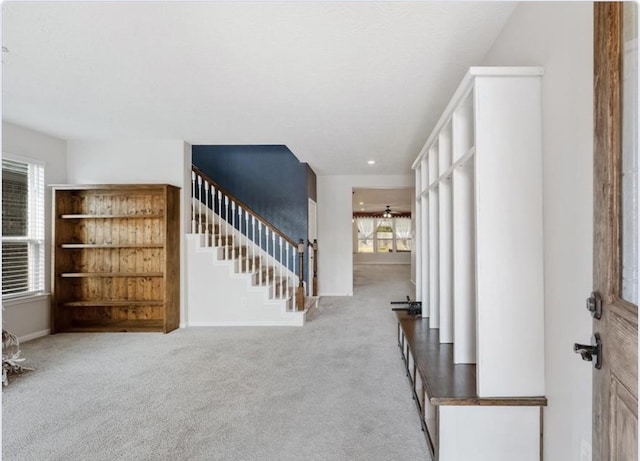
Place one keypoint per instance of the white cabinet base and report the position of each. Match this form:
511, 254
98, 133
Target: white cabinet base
490, 433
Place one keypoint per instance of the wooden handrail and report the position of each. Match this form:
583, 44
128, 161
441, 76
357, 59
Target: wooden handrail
243, 205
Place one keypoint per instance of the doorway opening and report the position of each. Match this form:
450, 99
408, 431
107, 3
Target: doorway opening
383, 229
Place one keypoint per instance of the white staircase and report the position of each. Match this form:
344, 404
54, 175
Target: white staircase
240, 270
221, 294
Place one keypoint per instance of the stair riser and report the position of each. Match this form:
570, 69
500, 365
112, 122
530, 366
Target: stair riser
201, 227
267, 277
248, 265
245, 264
224, 240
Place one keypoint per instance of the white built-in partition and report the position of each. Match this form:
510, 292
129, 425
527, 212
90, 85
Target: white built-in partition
431, 196
464, 322
484, 253
423, 206
417, 239
445, 223
463, 148
479, 192
509, 250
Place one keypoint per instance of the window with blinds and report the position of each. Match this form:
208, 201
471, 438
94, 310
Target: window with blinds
22, 227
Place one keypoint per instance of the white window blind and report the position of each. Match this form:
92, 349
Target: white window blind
22, 227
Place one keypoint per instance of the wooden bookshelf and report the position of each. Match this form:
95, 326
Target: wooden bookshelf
116, 258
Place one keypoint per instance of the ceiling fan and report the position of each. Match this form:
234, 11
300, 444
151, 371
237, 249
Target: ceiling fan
387, 213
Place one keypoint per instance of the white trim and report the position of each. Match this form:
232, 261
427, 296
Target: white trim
394, 263
463, 90
334, 294
298, 321
10, 302
23, 159
37, 334
506, 71
36, 223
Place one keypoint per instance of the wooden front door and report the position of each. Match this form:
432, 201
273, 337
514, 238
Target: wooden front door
615, 262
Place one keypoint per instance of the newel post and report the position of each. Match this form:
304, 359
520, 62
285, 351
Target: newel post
300, 293
315, 267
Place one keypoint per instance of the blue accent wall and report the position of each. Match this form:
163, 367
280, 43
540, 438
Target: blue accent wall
270, 179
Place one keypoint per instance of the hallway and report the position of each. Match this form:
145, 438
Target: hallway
332, 390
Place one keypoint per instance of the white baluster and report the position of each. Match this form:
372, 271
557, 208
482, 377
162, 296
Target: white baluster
240, 238
281, 265
288, 262
206, 212
219, 218
200, 204
260, 248
213, 215
266, 256
270, 255
253, 240
193, 202
295, 273
246, 239
233, 229
273, 250
226, 227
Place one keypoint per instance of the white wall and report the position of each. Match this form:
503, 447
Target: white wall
335, 256
185, 227
30, 318
165, 161
125, 161
220, 296
559, 37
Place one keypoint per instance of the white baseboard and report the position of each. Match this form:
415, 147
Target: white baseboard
335, 294
37, 334
378, 263
299, 323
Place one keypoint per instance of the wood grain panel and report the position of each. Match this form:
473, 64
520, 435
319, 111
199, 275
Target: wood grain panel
113, 270
624, 418
618, 326
171, 235
606, 153
623, 345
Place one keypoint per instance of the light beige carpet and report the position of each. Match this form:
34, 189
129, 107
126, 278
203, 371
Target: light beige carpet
332, 390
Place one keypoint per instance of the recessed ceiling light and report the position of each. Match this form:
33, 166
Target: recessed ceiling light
371, 162
361, 203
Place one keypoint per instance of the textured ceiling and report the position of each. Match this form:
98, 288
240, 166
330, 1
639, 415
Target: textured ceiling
337, 82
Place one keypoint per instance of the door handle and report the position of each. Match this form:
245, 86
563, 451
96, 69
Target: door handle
588, 352
594, 305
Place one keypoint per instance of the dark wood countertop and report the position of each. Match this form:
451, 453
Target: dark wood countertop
446, 383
